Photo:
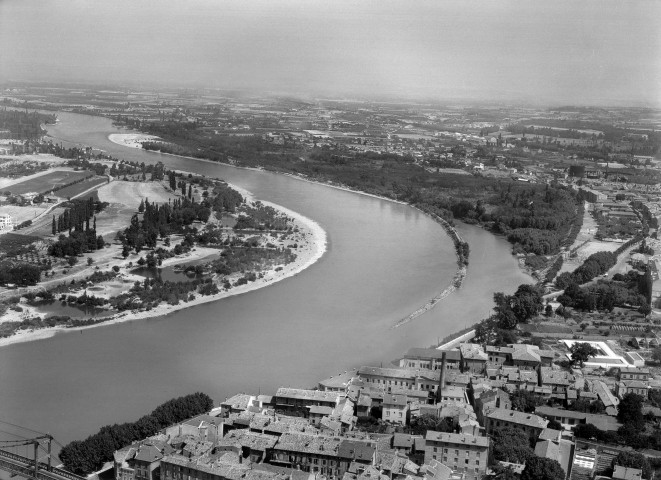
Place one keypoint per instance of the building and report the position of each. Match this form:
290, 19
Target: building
462, 453
499, 418
395, 409
6, 223
626, 473
473, 358
296, 401
430, 359
633, 373
632, 386
141, 461
329, 456
569, 418
413, 379
491, 399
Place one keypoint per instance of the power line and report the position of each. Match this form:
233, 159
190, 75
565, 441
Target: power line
13, 435
21, 427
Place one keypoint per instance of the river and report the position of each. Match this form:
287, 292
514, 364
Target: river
384, 260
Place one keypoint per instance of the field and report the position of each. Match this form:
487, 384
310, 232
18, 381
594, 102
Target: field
21, 214
132, 193
78, 188
45, 183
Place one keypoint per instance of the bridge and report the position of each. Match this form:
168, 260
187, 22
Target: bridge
31, 468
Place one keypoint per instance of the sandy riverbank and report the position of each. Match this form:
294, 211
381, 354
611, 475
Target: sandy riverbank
132, 140
312, 244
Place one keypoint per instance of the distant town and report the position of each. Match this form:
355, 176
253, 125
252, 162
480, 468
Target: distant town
562, 380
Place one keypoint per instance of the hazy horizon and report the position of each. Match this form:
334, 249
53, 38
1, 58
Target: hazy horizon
566, 52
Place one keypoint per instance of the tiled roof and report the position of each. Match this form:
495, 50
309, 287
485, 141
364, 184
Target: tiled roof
314, 395
397, 400
547, 449
148, 453
521, 418
559, 412
248, 439
456, 438
472, 351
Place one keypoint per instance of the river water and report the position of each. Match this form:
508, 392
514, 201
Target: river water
384, 260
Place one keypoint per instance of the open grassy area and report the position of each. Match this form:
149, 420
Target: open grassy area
45, 183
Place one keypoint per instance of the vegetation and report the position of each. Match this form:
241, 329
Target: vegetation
511, 445
595, 265
86, 456
24, 125
540, 468
581, 353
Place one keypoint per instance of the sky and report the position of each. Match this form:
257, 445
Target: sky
555, 52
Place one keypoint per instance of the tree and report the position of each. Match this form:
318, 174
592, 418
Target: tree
526, 401
539, 468
54, 227
656, 354
633, 460
629, 411
645, 309
125, 251
511, 445
141, 207
72, 260
581, 353
427, 421
90, 260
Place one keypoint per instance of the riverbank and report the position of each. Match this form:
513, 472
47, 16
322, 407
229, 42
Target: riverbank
131, 140
460, 274
311, 246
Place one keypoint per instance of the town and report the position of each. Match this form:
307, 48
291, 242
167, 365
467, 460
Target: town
461, 411
563, 378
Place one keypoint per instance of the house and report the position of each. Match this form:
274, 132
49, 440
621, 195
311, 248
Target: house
560, 451
325, 455
395, 409
558, 380
529, 423
141, 461
465, 454
632, 386
633, 373
473, 358
6, 223
249, 445
491, 399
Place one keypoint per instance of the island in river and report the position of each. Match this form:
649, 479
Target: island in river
236, 244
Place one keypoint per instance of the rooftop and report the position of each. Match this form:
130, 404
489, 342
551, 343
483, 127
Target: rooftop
456, 438
521, 418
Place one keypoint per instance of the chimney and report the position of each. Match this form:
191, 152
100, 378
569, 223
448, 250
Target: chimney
441, 380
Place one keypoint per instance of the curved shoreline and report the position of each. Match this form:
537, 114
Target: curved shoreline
457, 279
311, 252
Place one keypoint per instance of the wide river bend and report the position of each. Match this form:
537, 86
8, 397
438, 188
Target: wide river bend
384, 260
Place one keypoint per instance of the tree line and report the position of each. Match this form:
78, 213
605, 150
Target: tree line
86, 456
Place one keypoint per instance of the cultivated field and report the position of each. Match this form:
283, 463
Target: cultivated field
78, 188
45, 183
